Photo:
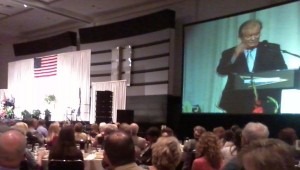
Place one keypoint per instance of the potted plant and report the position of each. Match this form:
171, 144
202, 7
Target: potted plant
26, 115
47, 115
50, 98
36, 114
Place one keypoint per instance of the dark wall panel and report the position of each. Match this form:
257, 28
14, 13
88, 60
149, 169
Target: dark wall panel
46, 44
140, 25
149, 109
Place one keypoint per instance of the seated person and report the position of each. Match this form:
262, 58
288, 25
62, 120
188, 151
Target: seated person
65, 147
79, 134
267, 154
208, 153
152, 134
52, 136
166, 154
119, 152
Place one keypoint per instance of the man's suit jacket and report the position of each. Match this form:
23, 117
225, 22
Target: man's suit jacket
268, 57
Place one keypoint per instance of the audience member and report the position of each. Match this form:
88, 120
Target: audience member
166, 154
65, 123
152, 134
234, 127
94, 130
53, 133
190, 146
251, 132
220, 132
267, 154
108, 129
119, 151
12, 156
125, 127
42, 128
228, 138
208, 153
33, 133
229, 152
101, 127
288, 135
65, 147
21, 126
137, 140
30, 162
167, 132
79, 134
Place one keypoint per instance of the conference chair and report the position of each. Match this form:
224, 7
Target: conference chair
65, 164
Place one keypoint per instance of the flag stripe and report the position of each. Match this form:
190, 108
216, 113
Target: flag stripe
45, 66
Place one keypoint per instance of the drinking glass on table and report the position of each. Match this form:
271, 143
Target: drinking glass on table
36, 147
98, 148
29, 147
78, 146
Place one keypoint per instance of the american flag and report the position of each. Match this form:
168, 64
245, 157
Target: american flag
45, 66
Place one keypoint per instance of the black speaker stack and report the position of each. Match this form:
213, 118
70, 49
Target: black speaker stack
125, 116
104, 101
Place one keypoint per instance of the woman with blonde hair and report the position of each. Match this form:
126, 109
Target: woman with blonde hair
22, 127
166, 154
53, 132
208, 153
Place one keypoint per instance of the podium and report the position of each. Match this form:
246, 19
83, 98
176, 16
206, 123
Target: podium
276, 79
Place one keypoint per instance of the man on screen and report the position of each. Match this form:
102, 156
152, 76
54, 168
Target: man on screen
250, 55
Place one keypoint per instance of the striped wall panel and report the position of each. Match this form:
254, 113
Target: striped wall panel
149, 77
150, 62
157, 48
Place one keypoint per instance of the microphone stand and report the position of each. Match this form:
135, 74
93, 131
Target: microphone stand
287, 52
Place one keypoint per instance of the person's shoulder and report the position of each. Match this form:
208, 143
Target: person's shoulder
268, 45
200, 160
232, 164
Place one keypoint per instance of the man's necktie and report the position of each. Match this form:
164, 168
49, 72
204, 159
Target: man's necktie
250, 60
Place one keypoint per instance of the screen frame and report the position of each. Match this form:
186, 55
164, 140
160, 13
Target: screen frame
185, 26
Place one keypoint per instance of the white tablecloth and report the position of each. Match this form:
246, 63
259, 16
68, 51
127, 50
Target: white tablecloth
90, 163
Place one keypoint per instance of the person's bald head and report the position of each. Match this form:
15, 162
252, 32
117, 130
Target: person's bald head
119, 148
12, 148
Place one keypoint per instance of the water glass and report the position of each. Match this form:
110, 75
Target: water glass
36, 147
78, 146
98, 148
29, 147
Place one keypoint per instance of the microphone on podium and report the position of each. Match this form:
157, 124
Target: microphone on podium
287, 52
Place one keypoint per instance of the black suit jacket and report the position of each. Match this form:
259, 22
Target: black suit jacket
268, 57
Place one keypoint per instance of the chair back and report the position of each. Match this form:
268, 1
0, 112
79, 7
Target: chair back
65, 165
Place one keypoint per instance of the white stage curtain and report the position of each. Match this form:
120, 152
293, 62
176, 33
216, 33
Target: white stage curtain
73, 75
119, 97
20, 84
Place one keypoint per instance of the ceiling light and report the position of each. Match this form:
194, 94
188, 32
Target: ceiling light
25, 5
